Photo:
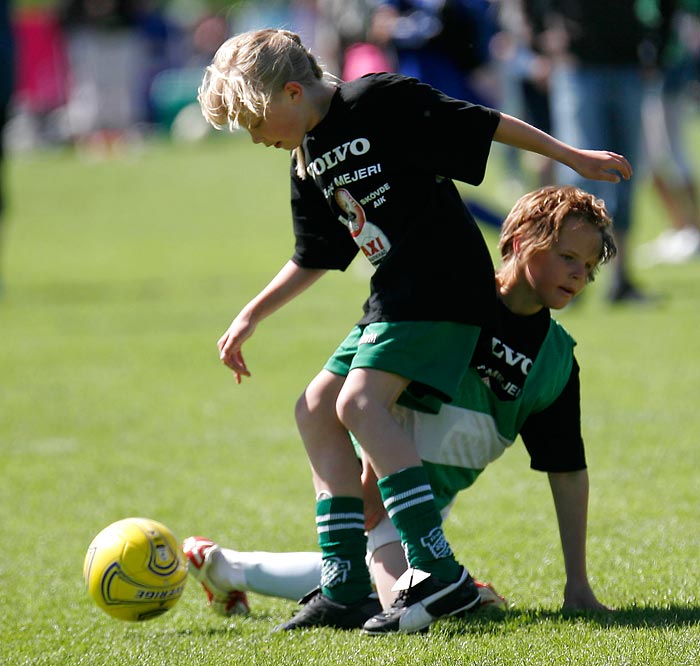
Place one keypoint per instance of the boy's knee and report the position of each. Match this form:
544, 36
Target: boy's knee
350, 408
317, 402
308, 409
302, 413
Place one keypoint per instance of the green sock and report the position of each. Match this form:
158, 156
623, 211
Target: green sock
409, 501
340, 523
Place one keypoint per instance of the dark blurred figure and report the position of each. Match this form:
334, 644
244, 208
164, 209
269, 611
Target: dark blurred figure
603, 51
7, 67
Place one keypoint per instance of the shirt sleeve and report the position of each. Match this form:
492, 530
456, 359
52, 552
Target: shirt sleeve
435, 132
320, 240
553, 436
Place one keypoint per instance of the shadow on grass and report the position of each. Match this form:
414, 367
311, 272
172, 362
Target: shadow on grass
493, 622
631, 616
239, 625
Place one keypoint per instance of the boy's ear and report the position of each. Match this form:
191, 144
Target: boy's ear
516, 245
294, 89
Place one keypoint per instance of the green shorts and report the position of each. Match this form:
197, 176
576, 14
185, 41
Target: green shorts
433, 355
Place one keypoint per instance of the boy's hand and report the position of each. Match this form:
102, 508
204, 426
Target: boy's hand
230, 344
286, 285
601, 165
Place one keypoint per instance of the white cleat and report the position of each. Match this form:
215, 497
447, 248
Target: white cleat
201, 553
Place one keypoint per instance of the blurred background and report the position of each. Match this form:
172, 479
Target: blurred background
101, 73
104, 77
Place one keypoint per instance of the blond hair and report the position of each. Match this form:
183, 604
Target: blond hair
537, 218
247, 70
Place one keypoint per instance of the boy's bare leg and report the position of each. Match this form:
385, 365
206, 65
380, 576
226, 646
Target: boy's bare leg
334, 465
386, 564
364, 406
346, 588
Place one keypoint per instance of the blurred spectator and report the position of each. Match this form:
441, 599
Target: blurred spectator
342, 38
524, 69
603, 49
440, 42
108, 63
41, 85
165, 43
6, 87
173, 89
665, 114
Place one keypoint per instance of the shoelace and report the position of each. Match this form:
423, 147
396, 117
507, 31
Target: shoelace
404, 595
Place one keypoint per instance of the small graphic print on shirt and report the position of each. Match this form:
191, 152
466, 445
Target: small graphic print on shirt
506, 370
370, 238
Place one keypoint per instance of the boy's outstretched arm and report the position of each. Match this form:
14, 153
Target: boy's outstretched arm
593, 164
570, 493
291, 281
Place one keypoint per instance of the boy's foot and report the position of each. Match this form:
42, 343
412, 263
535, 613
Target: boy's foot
201, 553
623, 291
321, 611
422, 601
671, 247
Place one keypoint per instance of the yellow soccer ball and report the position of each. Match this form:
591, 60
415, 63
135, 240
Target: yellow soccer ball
135, 569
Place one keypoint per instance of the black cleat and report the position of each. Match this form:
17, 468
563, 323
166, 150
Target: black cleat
424, 600
321, 611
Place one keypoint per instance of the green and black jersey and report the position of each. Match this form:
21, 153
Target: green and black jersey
524, 380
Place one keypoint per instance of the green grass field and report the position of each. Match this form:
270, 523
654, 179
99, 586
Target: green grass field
118, 278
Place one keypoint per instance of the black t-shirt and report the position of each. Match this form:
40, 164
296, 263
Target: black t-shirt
379, 168
503, 357
553, 437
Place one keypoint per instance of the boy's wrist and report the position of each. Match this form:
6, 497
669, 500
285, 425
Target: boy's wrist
248, 315
564, 154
